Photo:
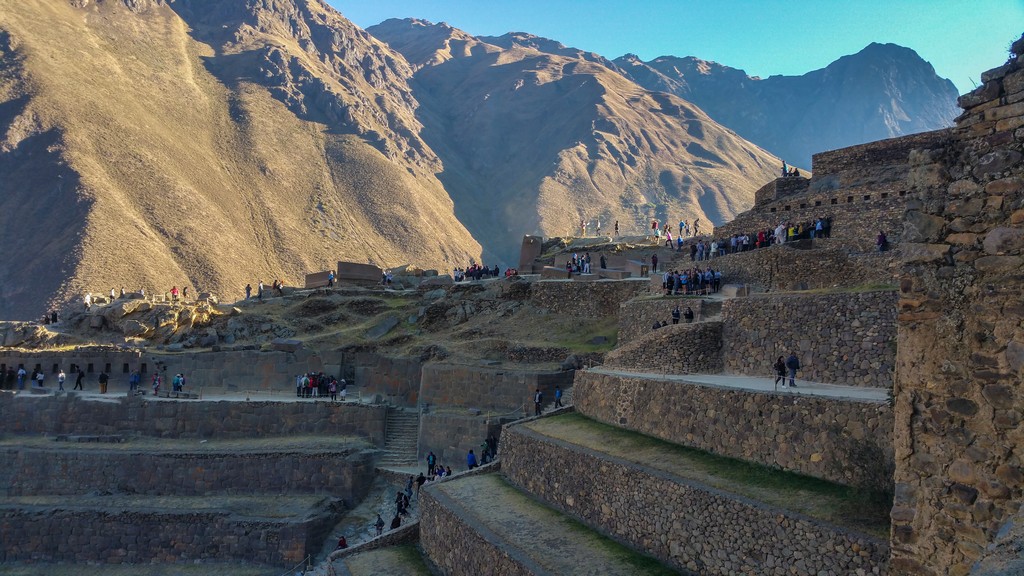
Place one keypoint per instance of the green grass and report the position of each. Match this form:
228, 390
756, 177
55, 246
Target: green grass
856, 508
579, 340
858, 289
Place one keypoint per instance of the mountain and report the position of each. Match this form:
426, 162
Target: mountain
209, 143
535, 137
883, 91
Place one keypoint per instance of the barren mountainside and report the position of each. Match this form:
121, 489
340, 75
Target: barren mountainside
881, 92
205, 143
535, 142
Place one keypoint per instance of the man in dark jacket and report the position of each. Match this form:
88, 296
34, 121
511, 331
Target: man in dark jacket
793, 364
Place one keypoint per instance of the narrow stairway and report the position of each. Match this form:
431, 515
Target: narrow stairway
401, 438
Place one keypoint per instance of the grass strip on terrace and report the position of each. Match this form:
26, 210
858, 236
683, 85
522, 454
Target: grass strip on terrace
843, 506
403, 559
552, 539
151, 445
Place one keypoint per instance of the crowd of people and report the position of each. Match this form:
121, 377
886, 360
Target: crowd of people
476, 272
784, 232
692, 281
319, 385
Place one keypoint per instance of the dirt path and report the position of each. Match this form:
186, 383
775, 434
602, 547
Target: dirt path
553, 540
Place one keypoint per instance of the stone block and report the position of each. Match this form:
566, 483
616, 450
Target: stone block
359, 272
613, 274
286, 345
586, 277
553, 273
317, 280
735, 291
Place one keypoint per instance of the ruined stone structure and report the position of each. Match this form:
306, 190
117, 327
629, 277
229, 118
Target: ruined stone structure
959, 468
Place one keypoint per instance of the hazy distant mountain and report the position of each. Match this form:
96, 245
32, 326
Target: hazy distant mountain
209, 143
535, 136
883, 91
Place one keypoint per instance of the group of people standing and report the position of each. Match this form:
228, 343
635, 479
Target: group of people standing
692, 281
476, 272
318, 385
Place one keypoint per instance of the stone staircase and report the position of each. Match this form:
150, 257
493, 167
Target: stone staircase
401, 438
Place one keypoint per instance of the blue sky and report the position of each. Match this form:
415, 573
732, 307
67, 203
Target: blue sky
961, 38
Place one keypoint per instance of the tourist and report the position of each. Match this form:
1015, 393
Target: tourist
448, 471
604, 263
39, 378
470, 461
431, 463
344, 390
688, 314
122, 292
174, 293
785, 169
616, 228
78, 381
111, 295
298, 386
538, 398
696, 226
330, 279
103, 379
259, 290
420, 481
408, 488
133, 381
780, 371
676, 315
156, 384
396, 522
88, 301
21, 376
558, 402
248, 291
379, 525
793, 364
332, 388
882, 242
342, 543
400, 505
654, 263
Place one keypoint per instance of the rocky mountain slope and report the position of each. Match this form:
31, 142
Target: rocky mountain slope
207, 143
535, 138
883, 91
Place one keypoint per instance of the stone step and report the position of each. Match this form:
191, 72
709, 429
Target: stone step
480, 524
668, 501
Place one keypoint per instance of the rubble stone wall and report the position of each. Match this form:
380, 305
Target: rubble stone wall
673, 349
142, 537
840, 338
188, 419
843, 441
596, 299
637, 316
29, 472
960, 386
699, 529
818, 264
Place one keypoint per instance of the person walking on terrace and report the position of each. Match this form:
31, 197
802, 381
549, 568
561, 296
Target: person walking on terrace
780, 372
78, 381
538, 398
793, 364
60, 380
558, 396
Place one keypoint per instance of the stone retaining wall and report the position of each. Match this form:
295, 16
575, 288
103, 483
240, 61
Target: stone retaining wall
487, 388
823, 264
842, 441
41, 534
673, 349
687, 525
841, 338
452, 436
637, 316
28, 472
23, 414
586, 299
960, 391
455, 548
